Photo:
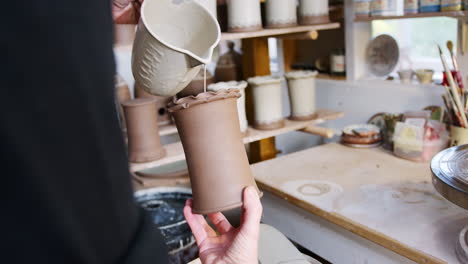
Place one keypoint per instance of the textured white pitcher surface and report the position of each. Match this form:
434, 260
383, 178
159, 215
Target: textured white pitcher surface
173, 40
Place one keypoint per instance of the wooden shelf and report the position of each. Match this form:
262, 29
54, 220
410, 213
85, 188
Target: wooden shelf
175, 151
418, 15
278, 31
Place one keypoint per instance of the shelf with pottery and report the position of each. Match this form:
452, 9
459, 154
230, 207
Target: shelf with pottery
455, 14
275, 32
175, 151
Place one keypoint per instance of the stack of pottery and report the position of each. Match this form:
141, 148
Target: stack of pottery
267, 101
281, 13
122, 94
144, 144
219, 170
164, 118
301, 86
240, 102
229, 66
197, 85
313, 12
424, 75
244, 15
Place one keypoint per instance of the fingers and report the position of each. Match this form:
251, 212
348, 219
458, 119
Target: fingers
200, 228
252, 211
220, 222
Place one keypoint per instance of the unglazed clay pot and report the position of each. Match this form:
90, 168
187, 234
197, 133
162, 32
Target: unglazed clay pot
164, 117
244, 15
124, 34
240, 102
122, 94
313, 12
208, 126
281, 13
229, 66
267, 97
197, 85
301, 86
173, 40
142, 129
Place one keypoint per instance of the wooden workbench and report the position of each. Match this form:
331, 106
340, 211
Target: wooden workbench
359, 206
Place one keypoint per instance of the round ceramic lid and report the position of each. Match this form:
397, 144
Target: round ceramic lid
450, 172
382, 55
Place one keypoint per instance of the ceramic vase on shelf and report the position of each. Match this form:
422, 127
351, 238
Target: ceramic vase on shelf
244, 15
229, 65
301, 87
313, 12
240, 102
208, 126
122, 94
197, 85
267, 100
164, 118
144, 144
281, 13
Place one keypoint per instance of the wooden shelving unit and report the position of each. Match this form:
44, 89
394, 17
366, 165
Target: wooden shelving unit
278, 31
456, 14
175, 151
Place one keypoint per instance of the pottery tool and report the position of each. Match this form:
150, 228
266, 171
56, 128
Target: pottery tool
454, 59
453, 106
454, 89
450, 116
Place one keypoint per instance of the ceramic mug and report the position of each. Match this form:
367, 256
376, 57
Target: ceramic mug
244, 15
241, 85
301, 87
267, 101
313, 12
424, 75
168, 53
281, 13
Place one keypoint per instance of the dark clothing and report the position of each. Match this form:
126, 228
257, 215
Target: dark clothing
67, 196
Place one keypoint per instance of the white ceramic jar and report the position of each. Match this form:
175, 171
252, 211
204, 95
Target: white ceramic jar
267, 98
301, 87
210, 5
244, 15
313, 12
241, 85
281, 13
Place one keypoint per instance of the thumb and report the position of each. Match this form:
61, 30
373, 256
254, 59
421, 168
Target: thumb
252, 211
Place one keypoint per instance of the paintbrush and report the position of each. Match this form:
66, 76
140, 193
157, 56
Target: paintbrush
453, 106
454, 59
450, 114
454, 89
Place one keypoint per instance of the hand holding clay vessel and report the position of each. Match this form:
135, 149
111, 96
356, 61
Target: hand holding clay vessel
240, 102
142, 129
281, 13
244, 15
173, 40
197, 85
301, 87
208, 126
313, 12
267, 100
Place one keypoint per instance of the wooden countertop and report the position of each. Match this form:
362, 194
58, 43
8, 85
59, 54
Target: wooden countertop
371, 193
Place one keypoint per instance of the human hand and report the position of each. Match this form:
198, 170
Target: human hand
126, 11
228, 245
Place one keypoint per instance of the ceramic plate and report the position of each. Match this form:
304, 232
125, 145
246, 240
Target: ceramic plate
382, 55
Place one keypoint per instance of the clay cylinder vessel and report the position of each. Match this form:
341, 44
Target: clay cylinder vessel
301, 87
267, 100
164, 118
122, 94
244, 15
240, 102
209, 129
197, 85
281, 13
144, 143
313, 12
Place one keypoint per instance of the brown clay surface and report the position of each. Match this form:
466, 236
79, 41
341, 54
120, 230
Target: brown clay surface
312, 20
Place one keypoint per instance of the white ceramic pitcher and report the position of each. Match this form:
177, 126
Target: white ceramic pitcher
173, 40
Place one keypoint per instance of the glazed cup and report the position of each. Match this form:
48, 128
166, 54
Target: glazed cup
219, 170
241, 85
313, 12
173, 40
244, 15
267, 100
144, 144
424, 75
406, 75
301, 87
281, 13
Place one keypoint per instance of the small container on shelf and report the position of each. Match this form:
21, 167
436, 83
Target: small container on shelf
244, 15
338, 62
428, 6
411, 7
301, 87
451, 5
406, 76
424, 75
387, 7
313, 12
267, 101
281, 13
362, 8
